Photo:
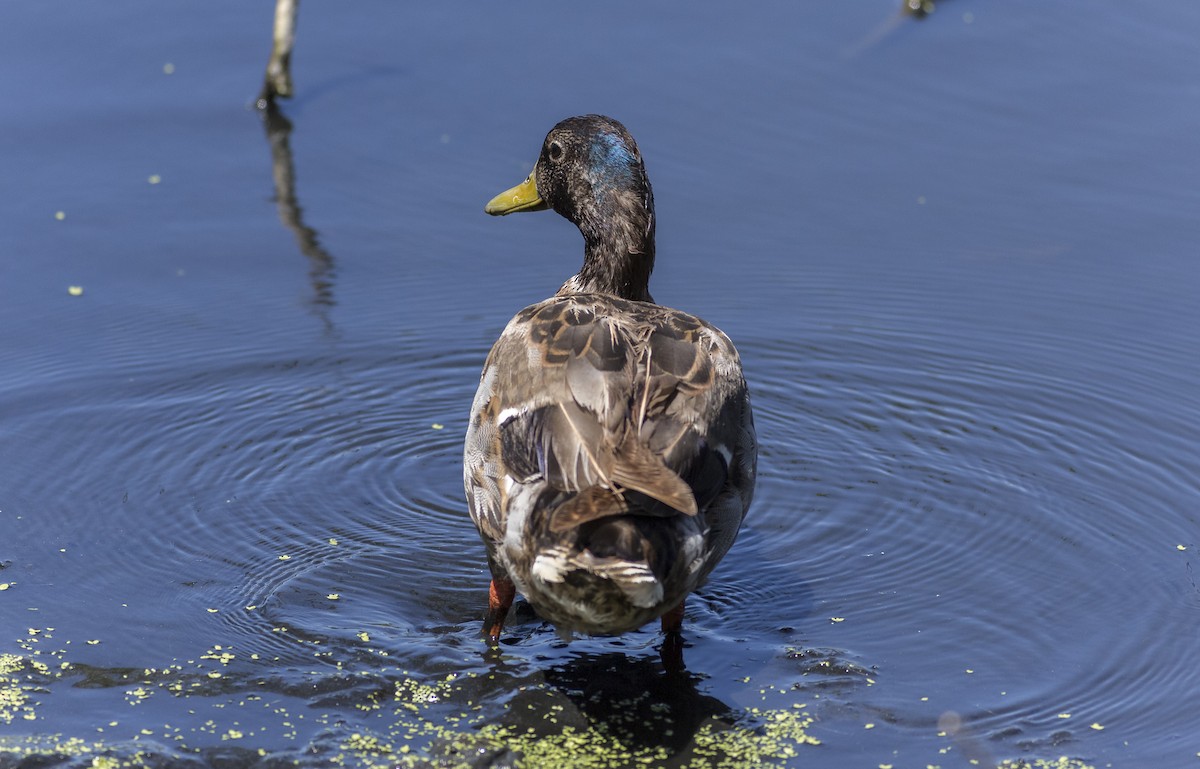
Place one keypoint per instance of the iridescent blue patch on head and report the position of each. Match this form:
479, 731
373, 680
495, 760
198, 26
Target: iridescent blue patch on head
611, 160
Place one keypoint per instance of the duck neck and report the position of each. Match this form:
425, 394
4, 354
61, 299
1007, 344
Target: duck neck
618, 257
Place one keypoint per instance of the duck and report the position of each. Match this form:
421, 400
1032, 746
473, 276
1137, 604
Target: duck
610, 452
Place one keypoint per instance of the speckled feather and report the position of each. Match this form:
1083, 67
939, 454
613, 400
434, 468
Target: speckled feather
610, 454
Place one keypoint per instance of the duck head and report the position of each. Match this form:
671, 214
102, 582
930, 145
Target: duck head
591, 172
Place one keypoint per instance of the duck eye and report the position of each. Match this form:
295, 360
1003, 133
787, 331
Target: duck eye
555, 151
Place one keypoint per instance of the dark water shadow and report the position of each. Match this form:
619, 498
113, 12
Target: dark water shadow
637, 700
321, 271
619, 699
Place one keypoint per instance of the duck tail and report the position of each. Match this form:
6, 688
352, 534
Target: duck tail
627, 550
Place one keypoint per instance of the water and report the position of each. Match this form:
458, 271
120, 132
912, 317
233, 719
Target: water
956, 253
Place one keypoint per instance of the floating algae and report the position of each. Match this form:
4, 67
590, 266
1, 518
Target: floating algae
376, 718
235, 708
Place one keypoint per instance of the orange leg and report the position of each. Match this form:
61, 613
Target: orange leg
500, 599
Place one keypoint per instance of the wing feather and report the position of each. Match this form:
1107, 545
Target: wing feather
600, 392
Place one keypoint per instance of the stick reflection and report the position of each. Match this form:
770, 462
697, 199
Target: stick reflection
321, 262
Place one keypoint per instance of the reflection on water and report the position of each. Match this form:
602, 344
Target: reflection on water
283, 172
914, 9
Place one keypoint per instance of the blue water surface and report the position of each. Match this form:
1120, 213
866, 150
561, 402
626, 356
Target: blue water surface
957, 254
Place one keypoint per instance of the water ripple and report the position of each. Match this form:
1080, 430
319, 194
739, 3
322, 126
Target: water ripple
950, 510
297, 487
928, 524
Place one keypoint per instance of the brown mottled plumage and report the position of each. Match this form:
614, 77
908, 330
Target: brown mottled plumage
610, 454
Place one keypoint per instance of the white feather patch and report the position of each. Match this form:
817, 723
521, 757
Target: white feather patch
510, 413
549, 567
634, 578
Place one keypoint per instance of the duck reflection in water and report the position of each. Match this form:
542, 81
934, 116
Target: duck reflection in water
628, 699
637, 701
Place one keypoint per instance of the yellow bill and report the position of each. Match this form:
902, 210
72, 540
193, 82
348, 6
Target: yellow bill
523, 197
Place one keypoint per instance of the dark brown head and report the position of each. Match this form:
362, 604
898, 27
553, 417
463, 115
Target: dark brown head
591, 172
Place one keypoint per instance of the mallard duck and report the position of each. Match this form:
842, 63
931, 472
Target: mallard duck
610, 454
